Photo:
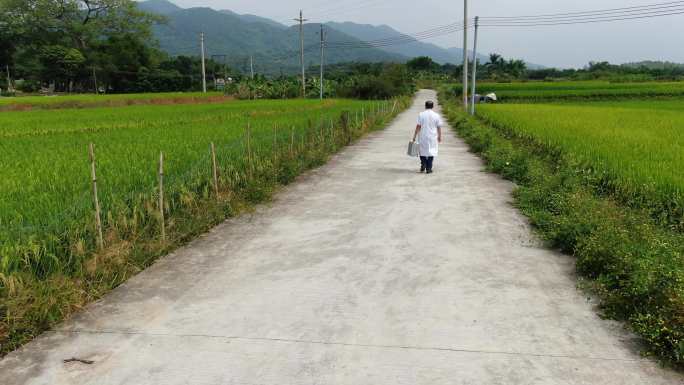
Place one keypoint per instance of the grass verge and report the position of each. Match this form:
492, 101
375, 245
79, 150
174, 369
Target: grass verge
33, 303
635, 265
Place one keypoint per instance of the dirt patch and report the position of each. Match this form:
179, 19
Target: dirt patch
117, 103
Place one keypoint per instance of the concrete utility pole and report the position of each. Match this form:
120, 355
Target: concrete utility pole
204, 73
322, 57
95, 81
465, 55
474, 76
251, 66
301, 21
9, 79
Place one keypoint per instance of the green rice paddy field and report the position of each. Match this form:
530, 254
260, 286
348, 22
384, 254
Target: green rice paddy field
45, 175
580, 90
636, 146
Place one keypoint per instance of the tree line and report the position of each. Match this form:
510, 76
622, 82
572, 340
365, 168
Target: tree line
88, 45
499, 69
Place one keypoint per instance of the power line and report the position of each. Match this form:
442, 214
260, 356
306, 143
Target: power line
400, 39
589, 13
579, 21
597, 16
390, 39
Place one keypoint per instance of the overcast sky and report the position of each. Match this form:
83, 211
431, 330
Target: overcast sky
562, 46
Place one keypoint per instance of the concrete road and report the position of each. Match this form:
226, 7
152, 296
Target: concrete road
362, 272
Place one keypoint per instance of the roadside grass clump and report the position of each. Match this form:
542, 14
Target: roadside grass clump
545, 92
50, 262
630, 258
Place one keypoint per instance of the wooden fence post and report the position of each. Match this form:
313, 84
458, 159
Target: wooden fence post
96, 202
292, 140
161, 196
345, 126
275, 153
214, 169
250, 161
332, 133
333, 140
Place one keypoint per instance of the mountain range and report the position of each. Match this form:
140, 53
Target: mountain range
273, 46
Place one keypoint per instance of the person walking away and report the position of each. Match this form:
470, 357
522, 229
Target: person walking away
429, 135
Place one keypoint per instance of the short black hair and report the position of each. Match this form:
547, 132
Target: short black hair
429, 105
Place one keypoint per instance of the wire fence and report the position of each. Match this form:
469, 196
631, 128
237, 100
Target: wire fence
239, 169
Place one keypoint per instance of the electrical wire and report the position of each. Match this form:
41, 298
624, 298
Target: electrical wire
400, 39
590, 13
609, 15
586, 21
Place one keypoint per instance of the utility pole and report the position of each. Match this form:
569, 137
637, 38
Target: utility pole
9, 79
474, 76
251, 66
301, 21
204, 74
95, 80
322, 57
465, 55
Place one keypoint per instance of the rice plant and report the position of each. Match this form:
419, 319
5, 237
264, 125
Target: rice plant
633, 149
46, 214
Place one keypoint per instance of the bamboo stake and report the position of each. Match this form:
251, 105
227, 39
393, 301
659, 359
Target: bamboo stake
333, 144
346, 128
98, 220
292, 140
161, 196
214, 169
250, 161
275, 152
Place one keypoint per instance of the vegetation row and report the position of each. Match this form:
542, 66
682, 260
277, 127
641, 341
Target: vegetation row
601, 184
577, 91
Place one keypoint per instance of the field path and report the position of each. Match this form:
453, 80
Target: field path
362, 272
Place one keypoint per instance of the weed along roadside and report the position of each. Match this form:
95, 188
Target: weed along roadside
628, 251
117, 224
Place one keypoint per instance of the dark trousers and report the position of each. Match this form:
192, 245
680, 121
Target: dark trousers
426, 162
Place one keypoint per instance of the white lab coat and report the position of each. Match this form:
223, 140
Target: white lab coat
429, 122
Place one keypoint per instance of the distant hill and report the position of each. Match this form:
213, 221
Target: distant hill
414, 49
160, 7
274, 46
255, 19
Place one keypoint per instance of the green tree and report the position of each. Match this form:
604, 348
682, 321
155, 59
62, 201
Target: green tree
90, 34
422, 63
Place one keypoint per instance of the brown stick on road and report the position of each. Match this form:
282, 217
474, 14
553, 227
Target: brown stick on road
362, 272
